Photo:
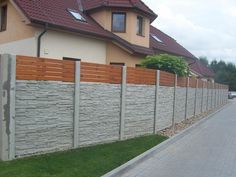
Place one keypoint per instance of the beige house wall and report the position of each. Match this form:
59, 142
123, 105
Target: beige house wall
57, 44
117, 55
16, 27
104, 18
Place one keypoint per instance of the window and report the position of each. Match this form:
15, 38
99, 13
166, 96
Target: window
3, 18
156, 38
140, 30
117, 64
71, 59
77, 15
119, 22
138, 66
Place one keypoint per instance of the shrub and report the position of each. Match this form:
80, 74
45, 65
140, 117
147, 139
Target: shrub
165, 62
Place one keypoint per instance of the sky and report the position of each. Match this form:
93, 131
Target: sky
204, 27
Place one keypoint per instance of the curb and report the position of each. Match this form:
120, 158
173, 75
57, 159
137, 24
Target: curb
132, 163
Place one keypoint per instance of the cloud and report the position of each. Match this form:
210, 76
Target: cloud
205, 28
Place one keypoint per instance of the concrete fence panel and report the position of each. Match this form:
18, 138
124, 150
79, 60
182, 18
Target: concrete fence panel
44, 116
99, 113
139, 110
166, 97
198, 101
191, 102
180, 104
205, 99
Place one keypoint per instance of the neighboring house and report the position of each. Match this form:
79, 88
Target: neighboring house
162, 43
100, 31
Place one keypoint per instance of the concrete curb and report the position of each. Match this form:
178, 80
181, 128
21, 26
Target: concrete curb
132, 163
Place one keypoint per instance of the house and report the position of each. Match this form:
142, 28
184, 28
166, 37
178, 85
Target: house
101, 31
162, 43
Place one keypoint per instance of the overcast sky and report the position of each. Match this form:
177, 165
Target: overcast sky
204, 27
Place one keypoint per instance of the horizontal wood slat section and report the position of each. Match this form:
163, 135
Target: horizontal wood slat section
182, 81
204, 84
91, 72
32, 68
200, 83
192, 82
167, 79
141, 76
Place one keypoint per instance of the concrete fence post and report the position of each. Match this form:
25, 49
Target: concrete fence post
186, 100
203, 85
156, 100
221, 95
216, 96
219, 92
212, 95
123, 101
7, 106
207, 102
76, 105
195, 101
174, 101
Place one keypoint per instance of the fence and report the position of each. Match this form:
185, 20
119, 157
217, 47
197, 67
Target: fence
50, 105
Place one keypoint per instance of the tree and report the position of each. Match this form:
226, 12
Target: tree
169, 63
204, 60
225, 73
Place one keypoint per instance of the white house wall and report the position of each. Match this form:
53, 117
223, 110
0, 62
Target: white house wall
20, 47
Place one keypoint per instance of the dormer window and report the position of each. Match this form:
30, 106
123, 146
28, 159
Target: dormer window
119, 22
3, 18
77, 15
140, 26
156, 38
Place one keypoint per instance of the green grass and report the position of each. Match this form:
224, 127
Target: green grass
84, 162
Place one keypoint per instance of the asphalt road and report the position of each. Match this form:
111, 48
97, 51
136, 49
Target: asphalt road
208, 150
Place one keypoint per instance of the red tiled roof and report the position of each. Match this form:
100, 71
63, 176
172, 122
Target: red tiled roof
200, 69
134, 4
55, 14
169, 45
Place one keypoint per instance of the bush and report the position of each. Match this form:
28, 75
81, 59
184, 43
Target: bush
169, 63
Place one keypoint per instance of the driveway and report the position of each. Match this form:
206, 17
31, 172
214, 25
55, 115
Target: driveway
208, 150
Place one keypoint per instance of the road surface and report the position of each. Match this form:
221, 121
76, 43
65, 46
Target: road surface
208, 150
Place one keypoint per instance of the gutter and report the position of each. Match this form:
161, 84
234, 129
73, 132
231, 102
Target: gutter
39, 40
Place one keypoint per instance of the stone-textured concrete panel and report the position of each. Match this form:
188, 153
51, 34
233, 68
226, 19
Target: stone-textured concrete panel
45, 112
204, 107
139, 110
191, 102
198, 101
44, 116
165, 113
99, 113
180, 104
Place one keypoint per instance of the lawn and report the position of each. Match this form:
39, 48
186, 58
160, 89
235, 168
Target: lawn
84, 162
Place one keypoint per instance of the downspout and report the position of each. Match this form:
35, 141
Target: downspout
39, 40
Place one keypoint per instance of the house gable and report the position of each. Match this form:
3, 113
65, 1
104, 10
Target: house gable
105, 18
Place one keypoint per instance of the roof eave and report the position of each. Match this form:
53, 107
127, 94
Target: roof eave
156, 48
